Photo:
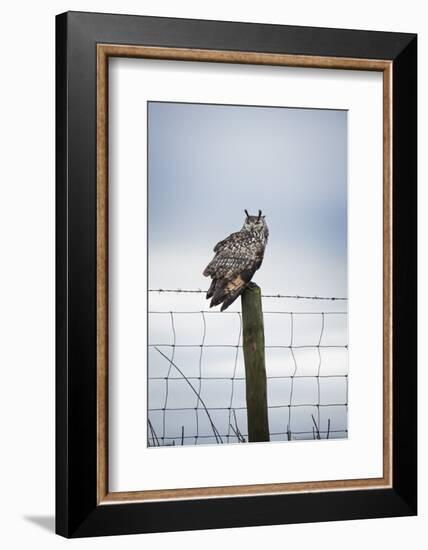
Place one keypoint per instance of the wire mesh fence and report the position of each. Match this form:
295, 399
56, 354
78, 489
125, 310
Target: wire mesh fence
196, 375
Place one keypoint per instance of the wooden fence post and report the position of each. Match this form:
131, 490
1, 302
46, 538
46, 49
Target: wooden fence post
255, 368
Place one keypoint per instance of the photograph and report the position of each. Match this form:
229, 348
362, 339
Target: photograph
247, 274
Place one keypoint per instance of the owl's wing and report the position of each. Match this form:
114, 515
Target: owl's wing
230, 241
232, 256
236, 259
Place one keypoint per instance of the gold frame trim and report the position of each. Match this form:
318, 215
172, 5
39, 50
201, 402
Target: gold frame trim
104, 51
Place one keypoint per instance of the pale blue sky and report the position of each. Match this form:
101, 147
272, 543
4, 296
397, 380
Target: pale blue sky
207, 163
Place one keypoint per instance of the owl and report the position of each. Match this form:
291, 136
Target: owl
236, 260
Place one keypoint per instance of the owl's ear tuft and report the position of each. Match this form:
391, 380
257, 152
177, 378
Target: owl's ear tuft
246, 213
260, 215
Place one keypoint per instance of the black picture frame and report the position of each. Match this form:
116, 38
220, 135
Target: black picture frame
77, 511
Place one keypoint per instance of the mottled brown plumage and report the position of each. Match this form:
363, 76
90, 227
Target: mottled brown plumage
236, 260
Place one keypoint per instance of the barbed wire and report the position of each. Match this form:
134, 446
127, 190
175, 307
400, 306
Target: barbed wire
227, 427
289, 296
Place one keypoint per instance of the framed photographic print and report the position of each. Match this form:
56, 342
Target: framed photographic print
236, 274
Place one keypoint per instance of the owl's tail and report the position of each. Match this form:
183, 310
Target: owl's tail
226, 291
211, 290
